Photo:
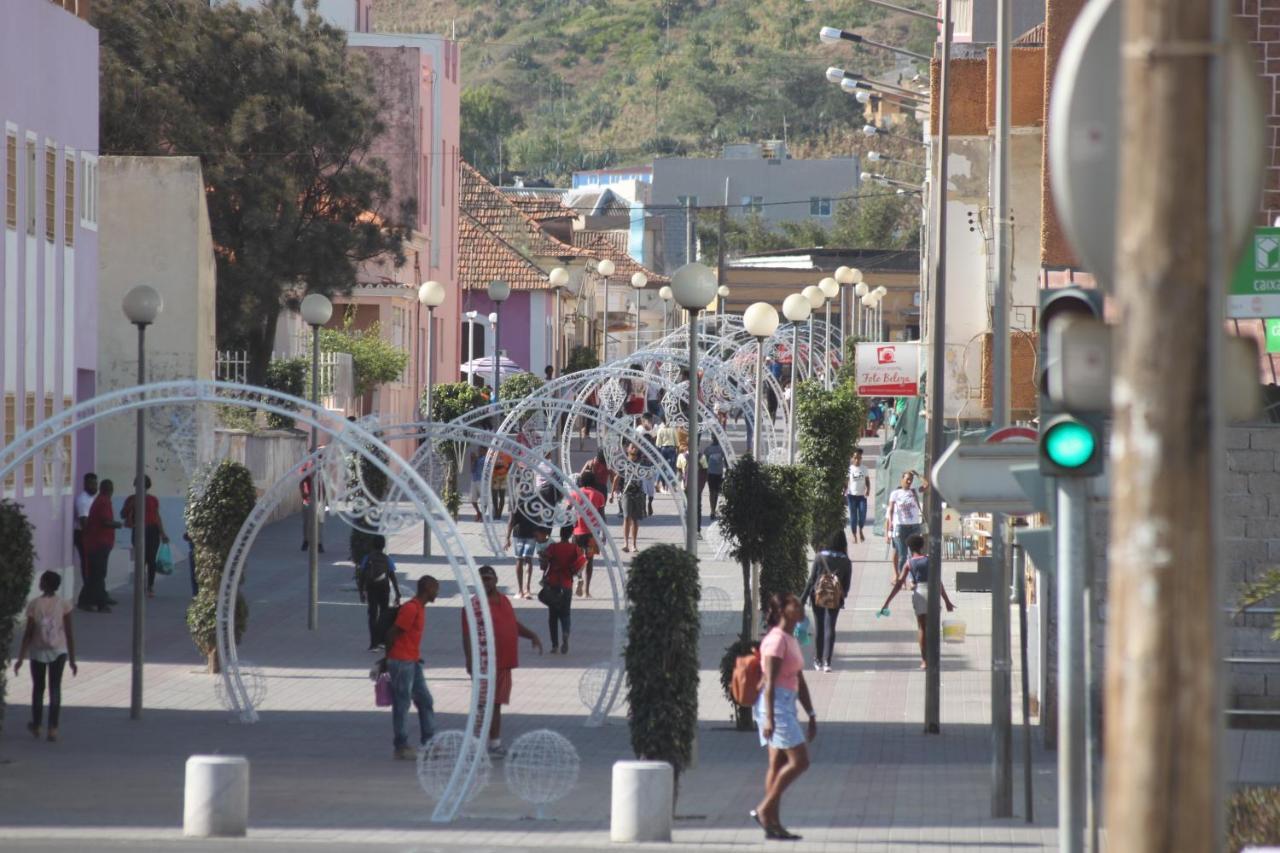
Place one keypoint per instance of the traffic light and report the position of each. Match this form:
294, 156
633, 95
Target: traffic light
1075, 382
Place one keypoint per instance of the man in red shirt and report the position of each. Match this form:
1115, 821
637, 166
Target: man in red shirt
99, 538
506, 633
404, 641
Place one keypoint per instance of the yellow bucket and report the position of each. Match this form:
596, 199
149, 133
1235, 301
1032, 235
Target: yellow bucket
953, 631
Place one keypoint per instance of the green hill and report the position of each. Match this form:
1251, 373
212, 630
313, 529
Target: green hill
557, 85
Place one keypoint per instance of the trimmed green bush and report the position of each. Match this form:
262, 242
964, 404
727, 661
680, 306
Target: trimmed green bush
17, 569
519, 386
450, 401
828, 429
214, 517
288, 376
663, 591
581, 358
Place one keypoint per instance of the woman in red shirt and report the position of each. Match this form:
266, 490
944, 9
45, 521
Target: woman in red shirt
153, 532
564, 561
588, 492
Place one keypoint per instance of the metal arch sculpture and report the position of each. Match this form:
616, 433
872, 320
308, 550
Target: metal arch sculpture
535, 460
188, 392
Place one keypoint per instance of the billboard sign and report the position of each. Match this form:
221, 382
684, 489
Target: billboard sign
888, 369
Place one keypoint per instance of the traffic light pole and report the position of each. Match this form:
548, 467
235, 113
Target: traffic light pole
1072, 696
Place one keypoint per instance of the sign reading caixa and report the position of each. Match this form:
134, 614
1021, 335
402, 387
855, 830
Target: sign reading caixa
888, 369
1255, 286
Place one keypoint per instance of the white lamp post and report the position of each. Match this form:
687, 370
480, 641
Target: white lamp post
693, 286
665, 294
431, 296
815, 296
638, 282
869, 306
558, 278
859, 291
498, 291
880, 293
796, 309
845, 277
722, 293
830, 288
471, 344
761, 321
141, 305
316, 311
605, 268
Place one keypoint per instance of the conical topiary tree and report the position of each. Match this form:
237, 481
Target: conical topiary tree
214, 516
17, 567
663, 591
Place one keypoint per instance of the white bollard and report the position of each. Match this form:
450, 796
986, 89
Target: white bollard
216, 797
642, 801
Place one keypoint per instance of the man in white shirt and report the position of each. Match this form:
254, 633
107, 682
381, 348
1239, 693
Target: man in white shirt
856, 491
84, 501
904, 519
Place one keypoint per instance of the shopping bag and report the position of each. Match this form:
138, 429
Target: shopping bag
382, 691
164, 559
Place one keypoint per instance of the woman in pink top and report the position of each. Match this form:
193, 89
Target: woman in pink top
775, 711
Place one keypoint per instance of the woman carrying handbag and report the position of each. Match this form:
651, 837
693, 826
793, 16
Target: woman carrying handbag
564, 561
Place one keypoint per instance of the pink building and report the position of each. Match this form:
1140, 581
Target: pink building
417, 79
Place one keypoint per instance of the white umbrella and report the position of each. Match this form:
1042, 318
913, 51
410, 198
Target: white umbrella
483, 366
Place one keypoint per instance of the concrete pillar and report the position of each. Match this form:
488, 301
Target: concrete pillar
643, 801
216, 801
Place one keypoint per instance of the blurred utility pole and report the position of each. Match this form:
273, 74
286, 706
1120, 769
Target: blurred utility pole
1161, 700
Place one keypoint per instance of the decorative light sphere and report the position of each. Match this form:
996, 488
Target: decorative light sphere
471, 315
143, 304
693, 286
844, 275
493, 317
723, 291
316, 309
814, 294
431, 294
665, 293
558, 277
870, 130
796, 308
605, 267
499, 290
860, 289
850, 87
856, 276
829, 35
874, 156
869, 301
882, 290
866, 177
437, 759
830, 287
541, 767
760, 319
639, 280
835, 75
863, 96
591, 683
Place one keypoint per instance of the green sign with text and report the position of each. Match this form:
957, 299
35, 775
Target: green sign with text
1255, 286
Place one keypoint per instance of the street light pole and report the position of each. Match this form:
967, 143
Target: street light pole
605, 268
431, 294
142, 305
638, 282
316, 311
796, 309
830, 288
498, 291
693, 286
558, 278
761, 321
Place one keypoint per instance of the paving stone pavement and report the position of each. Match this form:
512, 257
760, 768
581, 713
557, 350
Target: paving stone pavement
321, 755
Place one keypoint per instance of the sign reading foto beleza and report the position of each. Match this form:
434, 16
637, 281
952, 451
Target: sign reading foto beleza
888, 369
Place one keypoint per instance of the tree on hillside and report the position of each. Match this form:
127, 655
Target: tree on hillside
488, 118
881, 219
281, 118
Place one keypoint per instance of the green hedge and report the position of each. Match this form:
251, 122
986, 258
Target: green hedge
214, 517
662, 654
289, 376
17, 569
828, 428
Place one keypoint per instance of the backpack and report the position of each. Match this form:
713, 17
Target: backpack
748, 678
715, 462
377, 569
827, 592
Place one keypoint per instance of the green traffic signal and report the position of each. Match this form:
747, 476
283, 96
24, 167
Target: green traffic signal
1069, 444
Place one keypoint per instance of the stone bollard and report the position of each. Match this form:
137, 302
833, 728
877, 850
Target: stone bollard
642, 801
216, 798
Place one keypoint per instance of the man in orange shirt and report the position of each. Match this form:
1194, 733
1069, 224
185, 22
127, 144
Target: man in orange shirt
507, 631
404, 641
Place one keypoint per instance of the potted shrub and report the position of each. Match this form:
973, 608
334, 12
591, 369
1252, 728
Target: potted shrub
214, 516
17, 569
661, 655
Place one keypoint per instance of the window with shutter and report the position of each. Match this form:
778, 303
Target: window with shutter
69, 203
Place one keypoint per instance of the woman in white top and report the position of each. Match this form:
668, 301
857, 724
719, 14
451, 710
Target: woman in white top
51, 645
856, 492
904, 519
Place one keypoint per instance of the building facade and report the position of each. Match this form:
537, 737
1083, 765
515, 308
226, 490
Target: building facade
49, 251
